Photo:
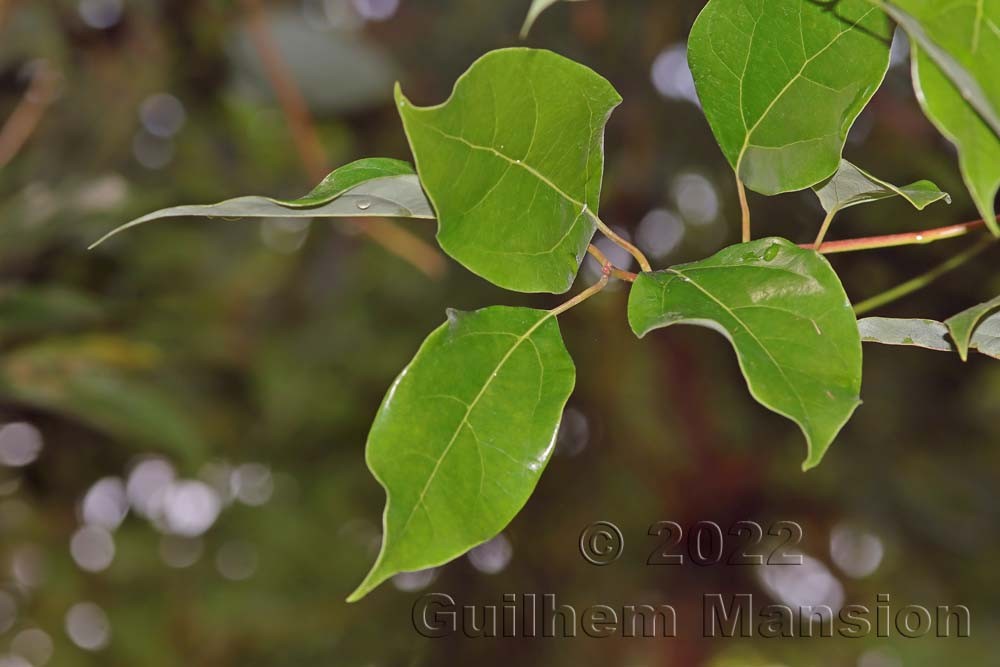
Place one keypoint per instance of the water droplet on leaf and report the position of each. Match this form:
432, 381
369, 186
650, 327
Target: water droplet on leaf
364, 204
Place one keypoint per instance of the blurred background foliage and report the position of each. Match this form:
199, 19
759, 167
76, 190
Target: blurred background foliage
184, 409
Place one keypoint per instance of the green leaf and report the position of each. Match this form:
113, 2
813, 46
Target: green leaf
929, 334
978, 146
26, 310
349, 177
536, 9
104, 382
464, 434
787, 316
986, 338
513, 163
964, 325
371, 187
852, 185
961, 37
782, 82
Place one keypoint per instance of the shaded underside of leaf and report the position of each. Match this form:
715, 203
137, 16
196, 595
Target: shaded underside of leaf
398, 196
464, 433
961, 37
986, 337
967, 323
851, 186
929, 334
348, 177
978, 146
782, 82
787, 316
513, 163
534, 11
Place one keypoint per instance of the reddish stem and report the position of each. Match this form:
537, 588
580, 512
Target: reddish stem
893, 240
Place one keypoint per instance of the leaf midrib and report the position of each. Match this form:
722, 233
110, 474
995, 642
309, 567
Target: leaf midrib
806, 419
808, 61
465, 418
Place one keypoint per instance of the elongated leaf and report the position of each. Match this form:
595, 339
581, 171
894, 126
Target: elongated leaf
978, 146
372, 187
536, 9
782, 82
852, 185
929, 334
961, 37
986, 337
464, 434
787, 316
964, 325
104, 382
513, 163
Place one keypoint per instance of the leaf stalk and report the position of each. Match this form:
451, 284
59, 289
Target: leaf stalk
923, 280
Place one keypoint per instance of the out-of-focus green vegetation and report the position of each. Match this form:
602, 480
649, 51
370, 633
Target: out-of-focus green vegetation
184, 409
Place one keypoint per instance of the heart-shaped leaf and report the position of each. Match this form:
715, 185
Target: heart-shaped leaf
787, 316
966, 325
513, 163
371, 187
464, 434
978, 145
782, 82
536, 9
929, 334
961, 37
852, 185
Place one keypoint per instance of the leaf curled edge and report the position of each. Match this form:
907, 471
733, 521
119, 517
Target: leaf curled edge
851, 185
785, 313
965, 325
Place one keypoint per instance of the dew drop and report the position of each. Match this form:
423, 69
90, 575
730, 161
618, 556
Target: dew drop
920, 237
772, 252
364, 204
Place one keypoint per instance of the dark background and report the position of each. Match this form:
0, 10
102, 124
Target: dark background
190, 368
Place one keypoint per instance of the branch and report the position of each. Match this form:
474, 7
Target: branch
744, 210
394, 238
894, 240
921, 281
28, 112
622, 243
613, 270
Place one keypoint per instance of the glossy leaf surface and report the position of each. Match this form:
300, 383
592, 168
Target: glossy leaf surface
464, 434
962, 37
978, 145
966, 324
929, 334
536, 9
782, 82
852, 185
787, 316
513, 163
373, 187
